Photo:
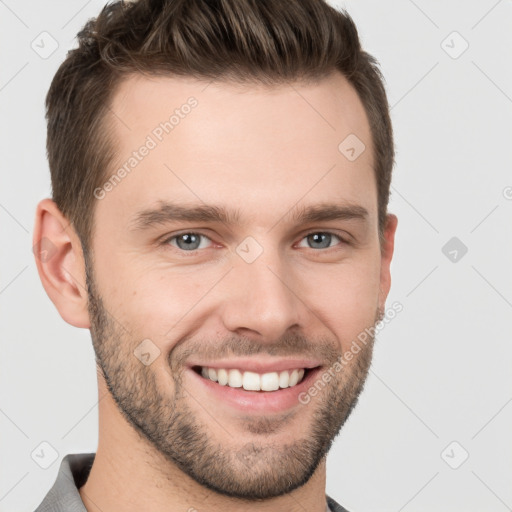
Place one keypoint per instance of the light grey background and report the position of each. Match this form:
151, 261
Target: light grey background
441, 370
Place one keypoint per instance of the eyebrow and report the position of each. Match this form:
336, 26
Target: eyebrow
168, 212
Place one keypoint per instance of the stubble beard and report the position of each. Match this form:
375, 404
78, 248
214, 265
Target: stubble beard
255, 469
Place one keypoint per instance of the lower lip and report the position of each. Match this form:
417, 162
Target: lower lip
257, 401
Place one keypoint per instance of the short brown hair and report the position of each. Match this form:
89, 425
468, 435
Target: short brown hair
265, 41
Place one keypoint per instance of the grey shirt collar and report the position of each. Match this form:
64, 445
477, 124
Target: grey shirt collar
73, 473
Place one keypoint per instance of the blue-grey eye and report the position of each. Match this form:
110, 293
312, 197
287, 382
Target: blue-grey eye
188, 241
320, 240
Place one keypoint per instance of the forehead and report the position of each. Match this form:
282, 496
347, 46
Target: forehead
331, 104
245, 145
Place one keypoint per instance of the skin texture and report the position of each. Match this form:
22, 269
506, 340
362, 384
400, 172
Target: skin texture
165, 442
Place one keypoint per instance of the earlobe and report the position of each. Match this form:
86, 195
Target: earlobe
386, 256
60, 263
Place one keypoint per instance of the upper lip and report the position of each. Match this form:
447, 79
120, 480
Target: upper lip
258, 365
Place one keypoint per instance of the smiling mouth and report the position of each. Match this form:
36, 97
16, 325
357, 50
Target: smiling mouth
252, 381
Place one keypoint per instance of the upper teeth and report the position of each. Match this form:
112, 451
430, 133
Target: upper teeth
253, 381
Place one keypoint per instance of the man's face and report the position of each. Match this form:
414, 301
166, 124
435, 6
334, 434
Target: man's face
265, 293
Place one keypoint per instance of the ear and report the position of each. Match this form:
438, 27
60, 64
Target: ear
60, 263
387, 248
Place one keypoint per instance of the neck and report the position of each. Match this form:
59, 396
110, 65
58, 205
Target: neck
129, 474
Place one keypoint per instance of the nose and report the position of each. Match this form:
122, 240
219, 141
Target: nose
262, 299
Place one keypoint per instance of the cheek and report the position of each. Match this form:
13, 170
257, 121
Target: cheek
345, 298
158, 303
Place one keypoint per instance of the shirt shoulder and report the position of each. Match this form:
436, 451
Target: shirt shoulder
334, 506
64, 496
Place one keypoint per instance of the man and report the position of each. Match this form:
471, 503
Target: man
220, 176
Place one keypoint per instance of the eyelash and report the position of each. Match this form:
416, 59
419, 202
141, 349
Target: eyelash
193, 252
